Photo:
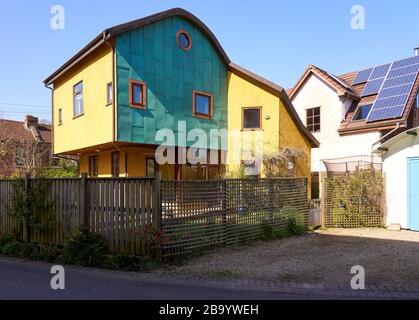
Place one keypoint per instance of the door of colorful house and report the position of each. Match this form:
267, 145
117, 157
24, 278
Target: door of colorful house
413, 193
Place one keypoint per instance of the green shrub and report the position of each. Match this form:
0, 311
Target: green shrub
126, 262
268, 231
84, 248
295, 229
13, 249
47, 253
5, 240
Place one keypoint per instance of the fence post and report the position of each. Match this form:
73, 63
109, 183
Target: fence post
157, 213
224, 207
271, 200
84, 205
324, 203
26, 226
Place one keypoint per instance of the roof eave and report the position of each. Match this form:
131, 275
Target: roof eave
119, 29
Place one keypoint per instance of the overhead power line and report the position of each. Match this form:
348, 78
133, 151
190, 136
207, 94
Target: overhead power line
23, 105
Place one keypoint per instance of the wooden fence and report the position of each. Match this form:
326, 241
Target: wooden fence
121, 210
147, 216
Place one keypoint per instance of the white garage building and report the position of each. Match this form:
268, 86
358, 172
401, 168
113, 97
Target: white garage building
401, 170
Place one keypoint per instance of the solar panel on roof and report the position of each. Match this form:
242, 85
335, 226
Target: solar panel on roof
394, 95
372, 87
406, 62
396, 91
393, 82
380, 72
403, 71
362, 76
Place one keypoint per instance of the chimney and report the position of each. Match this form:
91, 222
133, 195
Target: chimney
30, 121
416, 51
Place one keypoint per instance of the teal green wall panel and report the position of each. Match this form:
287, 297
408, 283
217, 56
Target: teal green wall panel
151, 54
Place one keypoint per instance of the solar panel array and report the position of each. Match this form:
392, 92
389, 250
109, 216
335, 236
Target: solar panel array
395, 91
363, 76
376, 80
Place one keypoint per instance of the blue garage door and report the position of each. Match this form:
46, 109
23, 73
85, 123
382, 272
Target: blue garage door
413, 178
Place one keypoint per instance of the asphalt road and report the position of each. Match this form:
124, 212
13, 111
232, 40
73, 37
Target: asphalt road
20, 280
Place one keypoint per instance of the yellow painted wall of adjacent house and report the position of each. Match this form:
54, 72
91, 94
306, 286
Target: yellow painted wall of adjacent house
291, 137
279, 130
95, 126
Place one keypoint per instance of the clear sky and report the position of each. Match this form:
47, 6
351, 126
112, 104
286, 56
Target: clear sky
276, 39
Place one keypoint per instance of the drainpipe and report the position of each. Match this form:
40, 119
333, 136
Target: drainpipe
52, 117
106, 37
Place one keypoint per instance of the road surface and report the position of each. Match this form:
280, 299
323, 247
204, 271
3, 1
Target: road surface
23, 280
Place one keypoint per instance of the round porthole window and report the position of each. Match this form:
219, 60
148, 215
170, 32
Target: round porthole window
184, 40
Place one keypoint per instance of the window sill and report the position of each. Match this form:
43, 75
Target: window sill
138, 106
256, 129
78, 116
203, 117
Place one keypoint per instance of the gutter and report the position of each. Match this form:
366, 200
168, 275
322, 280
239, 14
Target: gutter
106, 36
85, 52
48, 86
381, 139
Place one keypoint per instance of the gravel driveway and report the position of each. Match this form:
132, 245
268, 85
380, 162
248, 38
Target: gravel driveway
326, 257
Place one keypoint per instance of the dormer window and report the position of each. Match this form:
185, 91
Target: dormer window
362, 112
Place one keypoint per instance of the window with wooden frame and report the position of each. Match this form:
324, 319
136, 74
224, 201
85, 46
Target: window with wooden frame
203, 104
151, 167
137, 94
313, 119
109, 94
78, 106
94, 166
184, 40
60, 117
115, 165
252, 118
362, 112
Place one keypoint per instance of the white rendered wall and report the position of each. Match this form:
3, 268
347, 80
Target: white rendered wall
395, 170
316, 93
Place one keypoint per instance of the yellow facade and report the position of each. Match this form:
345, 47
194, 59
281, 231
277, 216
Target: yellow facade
278, 128
132, 163
95, 126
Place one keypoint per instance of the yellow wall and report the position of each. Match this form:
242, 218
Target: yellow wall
137, 158
279, 131
244, 94
291, 137
95, 127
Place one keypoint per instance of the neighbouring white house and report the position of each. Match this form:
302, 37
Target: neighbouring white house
401, 171
352, 113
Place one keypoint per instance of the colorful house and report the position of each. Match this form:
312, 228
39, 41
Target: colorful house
164, 72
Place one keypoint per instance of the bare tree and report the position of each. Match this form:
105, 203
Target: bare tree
286, 162
20, 157
31, 157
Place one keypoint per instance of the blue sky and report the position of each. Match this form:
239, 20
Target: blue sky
276, 39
